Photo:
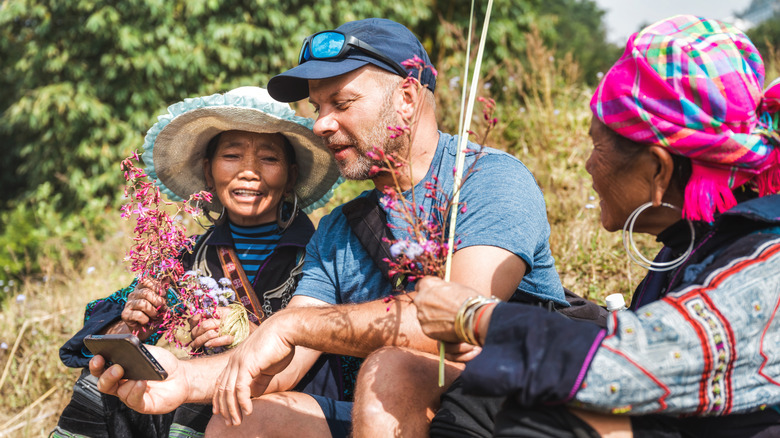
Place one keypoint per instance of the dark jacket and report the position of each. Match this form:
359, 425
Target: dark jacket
278, 272
698, 340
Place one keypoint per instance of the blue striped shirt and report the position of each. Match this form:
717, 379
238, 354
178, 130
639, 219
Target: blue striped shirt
254, 244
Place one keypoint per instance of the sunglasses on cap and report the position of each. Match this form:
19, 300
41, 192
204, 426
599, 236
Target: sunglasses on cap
332, 44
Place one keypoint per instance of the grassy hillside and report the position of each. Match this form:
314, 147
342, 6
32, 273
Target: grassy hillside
547, 130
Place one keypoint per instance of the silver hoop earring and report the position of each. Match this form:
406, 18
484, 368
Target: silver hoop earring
283, 224
637, 257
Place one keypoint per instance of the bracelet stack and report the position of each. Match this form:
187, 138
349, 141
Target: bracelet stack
465, 323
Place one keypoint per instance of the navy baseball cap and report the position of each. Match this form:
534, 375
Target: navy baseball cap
392, 40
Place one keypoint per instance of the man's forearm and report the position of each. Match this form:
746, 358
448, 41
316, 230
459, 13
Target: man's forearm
355, 329
201, 376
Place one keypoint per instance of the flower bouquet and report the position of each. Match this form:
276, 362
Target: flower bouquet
430, 234
159, 239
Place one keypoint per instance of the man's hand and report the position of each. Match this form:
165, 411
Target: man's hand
265, 353
143, 307
148, 397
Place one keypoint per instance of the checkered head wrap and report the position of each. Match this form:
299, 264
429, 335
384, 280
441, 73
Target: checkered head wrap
695, 87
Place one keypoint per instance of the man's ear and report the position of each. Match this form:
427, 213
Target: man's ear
410, 97
662, 177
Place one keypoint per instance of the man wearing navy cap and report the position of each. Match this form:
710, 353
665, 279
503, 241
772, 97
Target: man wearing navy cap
355, 79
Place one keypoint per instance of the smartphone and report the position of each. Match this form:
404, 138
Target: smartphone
128, 351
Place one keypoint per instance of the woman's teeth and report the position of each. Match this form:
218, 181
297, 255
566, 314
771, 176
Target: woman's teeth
246, 193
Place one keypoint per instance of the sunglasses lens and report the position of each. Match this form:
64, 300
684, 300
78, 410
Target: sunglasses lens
326, 45
305, 53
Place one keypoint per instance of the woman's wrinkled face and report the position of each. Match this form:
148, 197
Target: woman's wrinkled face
617, 179
250, 175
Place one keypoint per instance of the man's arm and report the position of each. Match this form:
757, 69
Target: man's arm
188, 381
350, 329
360, 329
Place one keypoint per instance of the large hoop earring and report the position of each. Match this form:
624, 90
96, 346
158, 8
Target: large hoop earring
283, 224
203, 206
637, 257
207, 213
219, 219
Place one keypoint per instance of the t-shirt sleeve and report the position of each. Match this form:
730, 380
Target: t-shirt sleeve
504, 208
317, 281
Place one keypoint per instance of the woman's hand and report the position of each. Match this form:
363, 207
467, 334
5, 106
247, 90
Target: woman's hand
205, 331
461, 352
437, 304
143, 308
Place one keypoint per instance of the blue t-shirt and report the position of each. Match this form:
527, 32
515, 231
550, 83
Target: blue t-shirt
504, 208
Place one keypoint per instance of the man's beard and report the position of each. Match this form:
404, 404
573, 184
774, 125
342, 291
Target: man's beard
360, 167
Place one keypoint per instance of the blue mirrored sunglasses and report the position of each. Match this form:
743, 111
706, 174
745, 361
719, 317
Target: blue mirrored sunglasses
330, 44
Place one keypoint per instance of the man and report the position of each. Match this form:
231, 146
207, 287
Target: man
354, 80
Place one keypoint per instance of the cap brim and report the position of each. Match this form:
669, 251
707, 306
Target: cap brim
293, 85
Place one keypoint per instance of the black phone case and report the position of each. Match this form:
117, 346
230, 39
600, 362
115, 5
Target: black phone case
127, 350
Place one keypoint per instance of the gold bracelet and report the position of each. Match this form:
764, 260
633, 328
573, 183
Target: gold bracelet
470, 328
464, 319
459, 318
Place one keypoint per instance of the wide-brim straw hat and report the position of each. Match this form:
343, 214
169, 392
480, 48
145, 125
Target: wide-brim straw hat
174, 148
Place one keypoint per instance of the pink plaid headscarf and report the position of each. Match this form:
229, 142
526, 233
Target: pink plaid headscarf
695, 87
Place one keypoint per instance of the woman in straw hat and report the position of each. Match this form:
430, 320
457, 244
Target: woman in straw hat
262, 165
686, 147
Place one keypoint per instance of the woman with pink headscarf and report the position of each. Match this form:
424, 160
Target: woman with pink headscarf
686, 148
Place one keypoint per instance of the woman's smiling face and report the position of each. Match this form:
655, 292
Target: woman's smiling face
619, 181
250, 174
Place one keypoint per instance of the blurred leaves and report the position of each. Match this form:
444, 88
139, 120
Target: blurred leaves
766, 37
82, 80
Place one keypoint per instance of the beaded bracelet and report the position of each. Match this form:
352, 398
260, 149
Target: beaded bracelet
479, 318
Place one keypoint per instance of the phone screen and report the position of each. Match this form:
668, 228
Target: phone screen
126, 350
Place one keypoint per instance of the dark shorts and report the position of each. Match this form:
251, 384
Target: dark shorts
464, 415
338, 414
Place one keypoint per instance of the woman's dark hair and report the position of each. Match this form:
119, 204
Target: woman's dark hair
211, 148
289, 151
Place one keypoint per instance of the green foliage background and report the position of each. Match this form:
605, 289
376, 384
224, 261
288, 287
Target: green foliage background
82, 80
766, 37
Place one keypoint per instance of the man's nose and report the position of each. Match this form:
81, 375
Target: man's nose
325, 125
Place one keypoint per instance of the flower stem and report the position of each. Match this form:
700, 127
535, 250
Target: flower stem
441, 364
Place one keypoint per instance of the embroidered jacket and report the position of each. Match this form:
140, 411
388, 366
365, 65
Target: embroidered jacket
699, 340
274, 283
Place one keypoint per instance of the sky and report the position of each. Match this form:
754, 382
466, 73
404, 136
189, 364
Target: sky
624, 17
